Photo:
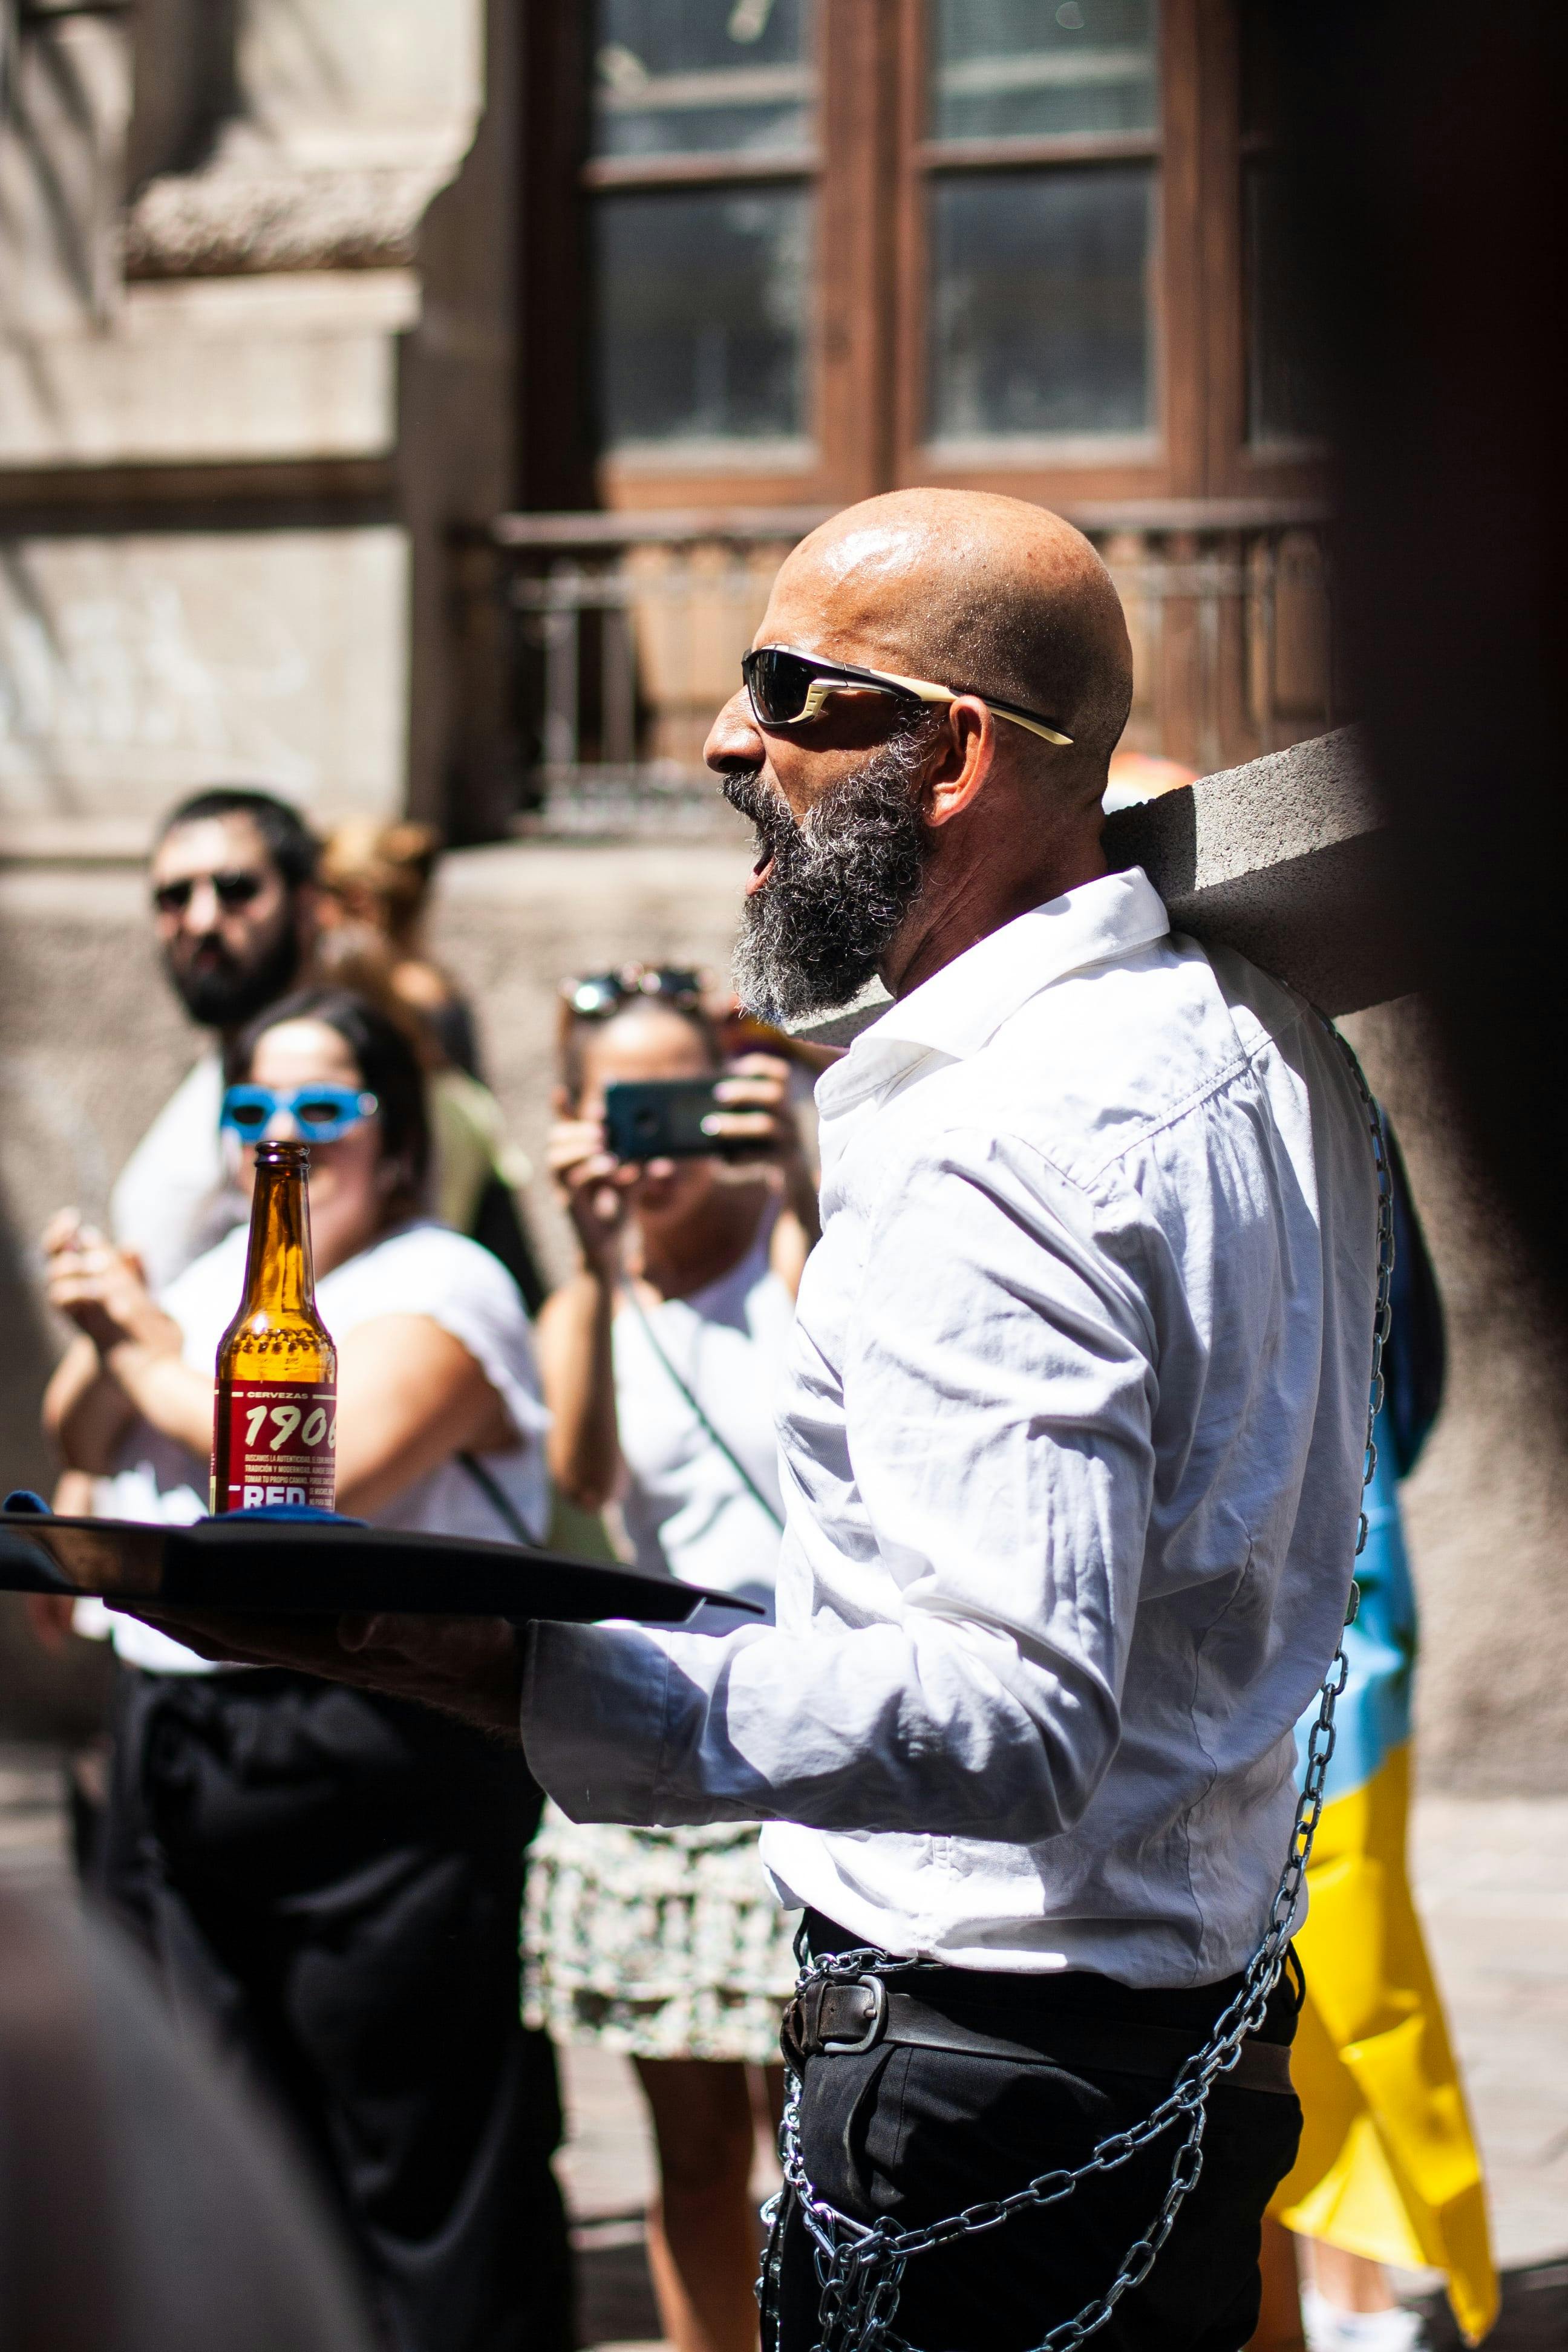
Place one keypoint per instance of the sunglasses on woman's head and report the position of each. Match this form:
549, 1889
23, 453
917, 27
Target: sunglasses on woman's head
788, 689
602, 994
322, 1114
230, 890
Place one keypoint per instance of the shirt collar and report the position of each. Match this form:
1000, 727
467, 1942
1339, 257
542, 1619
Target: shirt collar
960, 1007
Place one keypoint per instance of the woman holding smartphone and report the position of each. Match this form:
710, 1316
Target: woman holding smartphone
659, 1359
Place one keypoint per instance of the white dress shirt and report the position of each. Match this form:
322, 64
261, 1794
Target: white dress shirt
1071, 1440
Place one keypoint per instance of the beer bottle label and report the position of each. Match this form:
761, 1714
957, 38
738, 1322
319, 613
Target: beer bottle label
282, 1437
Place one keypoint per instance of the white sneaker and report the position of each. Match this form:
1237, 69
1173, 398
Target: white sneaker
1328, 2330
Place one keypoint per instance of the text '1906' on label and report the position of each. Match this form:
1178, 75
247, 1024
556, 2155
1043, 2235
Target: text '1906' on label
281, 1445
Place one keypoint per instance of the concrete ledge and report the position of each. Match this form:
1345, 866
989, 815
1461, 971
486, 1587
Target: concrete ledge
1287, 860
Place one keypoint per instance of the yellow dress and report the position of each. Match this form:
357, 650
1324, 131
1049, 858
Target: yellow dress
1388, 2166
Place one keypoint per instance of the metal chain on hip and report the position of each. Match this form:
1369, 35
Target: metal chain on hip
859, 2265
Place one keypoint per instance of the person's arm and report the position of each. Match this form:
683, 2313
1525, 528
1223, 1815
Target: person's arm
758, 1114
470, 1667
85, 1411
576, 1359
999, 1382
999, 1390
128, 1361
576, 1365
795, 1236
410, 1396
51, 1613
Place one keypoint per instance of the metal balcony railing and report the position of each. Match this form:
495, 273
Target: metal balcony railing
627, 630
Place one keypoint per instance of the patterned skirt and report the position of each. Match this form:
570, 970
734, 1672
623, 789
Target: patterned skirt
658, 1943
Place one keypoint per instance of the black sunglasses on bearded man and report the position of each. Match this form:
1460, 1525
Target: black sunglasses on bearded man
788, 687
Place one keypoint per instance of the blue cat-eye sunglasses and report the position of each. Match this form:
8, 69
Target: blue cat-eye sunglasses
320, 1113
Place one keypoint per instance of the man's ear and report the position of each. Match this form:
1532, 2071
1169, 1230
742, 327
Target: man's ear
960, 771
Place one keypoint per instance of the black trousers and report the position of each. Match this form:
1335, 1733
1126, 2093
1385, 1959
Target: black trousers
330, 1882
918, 2134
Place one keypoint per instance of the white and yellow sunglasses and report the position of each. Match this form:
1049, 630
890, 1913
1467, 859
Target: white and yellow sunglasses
788, 689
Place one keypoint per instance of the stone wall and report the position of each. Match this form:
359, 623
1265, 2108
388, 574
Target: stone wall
1487, 1509
256, 360
136, 666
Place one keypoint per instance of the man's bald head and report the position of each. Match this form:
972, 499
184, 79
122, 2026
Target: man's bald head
971, 590
891, 839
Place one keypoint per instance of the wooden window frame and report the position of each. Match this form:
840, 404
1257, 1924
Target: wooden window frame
1074, 471
846, 172
1236, 465
866, 326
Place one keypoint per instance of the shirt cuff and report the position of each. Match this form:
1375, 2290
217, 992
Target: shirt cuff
593, 1707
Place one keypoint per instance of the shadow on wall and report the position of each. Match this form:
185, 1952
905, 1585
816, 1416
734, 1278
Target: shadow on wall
90, 1043
27, 1361
43, 1695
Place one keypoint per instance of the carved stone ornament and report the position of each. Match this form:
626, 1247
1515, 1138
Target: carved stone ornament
220, 222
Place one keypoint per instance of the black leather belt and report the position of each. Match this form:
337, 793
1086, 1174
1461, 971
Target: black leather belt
842, 2017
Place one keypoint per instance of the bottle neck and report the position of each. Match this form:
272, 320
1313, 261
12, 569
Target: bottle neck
279, 1278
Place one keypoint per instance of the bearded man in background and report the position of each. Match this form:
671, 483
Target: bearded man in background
233, 880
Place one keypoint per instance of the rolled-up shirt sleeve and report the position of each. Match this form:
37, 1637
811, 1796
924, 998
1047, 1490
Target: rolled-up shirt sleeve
988, 1525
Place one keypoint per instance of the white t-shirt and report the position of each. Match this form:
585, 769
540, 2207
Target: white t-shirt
173, 1199
688, 1511
420, 1269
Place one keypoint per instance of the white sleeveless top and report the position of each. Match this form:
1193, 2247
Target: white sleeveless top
688, 1511
419, 1269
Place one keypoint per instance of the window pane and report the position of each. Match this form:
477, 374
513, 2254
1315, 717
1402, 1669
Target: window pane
701, 77
1025, 68
1039, 304
1285, 392
702, 314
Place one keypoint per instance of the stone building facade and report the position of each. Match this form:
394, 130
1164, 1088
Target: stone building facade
405, 401
256, 362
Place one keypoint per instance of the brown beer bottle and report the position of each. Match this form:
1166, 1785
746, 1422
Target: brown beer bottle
276, 1407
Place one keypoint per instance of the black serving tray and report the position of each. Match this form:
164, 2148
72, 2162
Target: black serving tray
322, 1568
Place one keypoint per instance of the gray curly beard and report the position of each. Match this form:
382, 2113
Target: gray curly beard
841, 885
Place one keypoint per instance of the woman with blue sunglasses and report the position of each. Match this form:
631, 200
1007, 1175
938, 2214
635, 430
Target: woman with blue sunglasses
334, 1879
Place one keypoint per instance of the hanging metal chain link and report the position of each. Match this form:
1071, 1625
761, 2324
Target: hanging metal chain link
860, 2266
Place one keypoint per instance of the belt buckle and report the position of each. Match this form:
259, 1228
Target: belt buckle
852, 2046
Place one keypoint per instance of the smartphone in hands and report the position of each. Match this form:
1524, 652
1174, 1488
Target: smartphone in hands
660, 1119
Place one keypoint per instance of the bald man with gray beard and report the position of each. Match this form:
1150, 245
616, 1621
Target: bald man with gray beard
1071, 1450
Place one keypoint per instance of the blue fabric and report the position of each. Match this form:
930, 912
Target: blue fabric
1373, 1716
1414, 1361
306, 1511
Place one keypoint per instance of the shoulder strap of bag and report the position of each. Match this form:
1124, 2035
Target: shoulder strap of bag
725, 1448
497, 1499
